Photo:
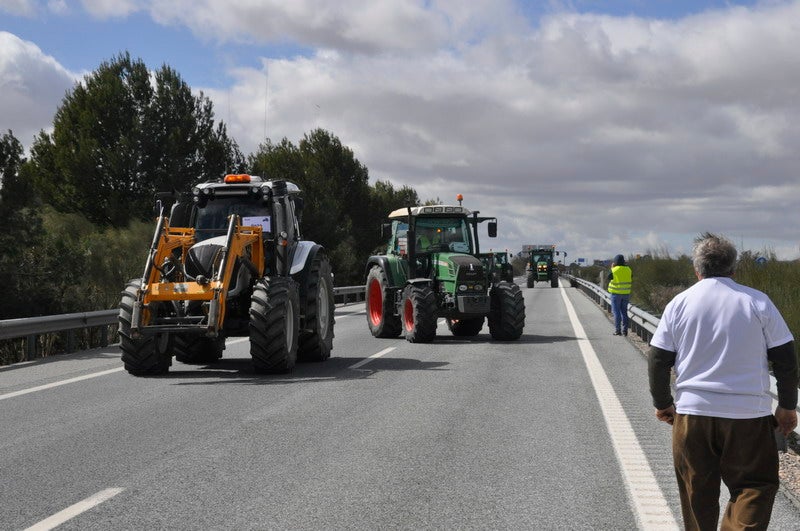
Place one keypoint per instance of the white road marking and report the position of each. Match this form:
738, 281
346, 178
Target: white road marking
74, 510
58, 384
650, 506
371, 358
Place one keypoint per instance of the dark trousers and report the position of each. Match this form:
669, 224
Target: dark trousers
619, 306
740, 452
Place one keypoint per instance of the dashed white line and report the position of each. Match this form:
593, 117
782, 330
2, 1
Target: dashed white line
58, 384
652, 510
371, 358
74, 510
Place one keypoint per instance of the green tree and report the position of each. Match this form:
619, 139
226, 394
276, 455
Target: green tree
121, 135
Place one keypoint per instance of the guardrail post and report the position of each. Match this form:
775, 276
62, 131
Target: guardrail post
104, 336
71, 341
30, 347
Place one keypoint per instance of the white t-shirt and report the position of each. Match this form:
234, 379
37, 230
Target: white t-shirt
720, 332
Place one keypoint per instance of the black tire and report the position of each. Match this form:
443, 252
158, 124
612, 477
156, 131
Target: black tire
507, 313
531, 280
380, 307
274, 325
145, 355
316, 340
554, 281
465, 327
197, 349
419, 314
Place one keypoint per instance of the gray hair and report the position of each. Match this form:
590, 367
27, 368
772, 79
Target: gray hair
713, 256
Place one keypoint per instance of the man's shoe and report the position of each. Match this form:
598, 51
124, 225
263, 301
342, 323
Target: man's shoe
616, 332
624, 332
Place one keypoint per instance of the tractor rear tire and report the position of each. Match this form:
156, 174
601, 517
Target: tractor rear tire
554, 281
274, 325
145, 355
465, 327
419, 314
316, 341
507, 313
196, 349
380, 307
531, 280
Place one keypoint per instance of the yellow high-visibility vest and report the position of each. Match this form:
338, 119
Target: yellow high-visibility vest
621, 283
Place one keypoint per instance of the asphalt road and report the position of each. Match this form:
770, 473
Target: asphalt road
554, 431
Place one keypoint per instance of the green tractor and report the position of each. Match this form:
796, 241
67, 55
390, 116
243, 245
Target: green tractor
542, 266
499, 265
432, 270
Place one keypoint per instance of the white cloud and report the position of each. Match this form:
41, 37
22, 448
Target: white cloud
32, 85
601, 134
103, 9
24, 8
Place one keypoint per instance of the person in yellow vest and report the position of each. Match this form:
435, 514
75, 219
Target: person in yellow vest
619, 286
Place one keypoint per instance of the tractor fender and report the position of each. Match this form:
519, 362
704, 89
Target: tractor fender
383, 262
302, 256
422, 281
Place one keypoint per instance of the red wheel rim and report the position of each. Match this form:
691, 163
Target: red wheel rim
408, 315
375, 302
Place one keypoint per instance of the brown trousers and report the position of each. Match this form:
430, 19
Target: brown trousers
740, 452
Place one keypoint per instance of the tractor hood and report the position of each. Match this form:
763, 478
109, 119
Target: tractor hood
204, 256
463, 267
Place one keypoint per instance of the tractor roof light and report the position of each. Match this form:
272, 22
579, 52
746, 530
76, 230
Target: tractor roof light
237, 178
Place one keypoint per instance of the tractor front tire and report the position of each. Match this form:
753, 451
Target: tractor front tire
465, 327
507, 312
554, 281
531, 280
316, 341
144, 355
274, 325
419, 314
197, 349
380, 307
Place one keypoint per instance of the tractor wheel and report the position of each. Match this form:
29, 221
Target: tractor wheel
554, 281
146, 355
274, 325
531, 280
316, 342
195, 349
465, 327
419, 314
507, 313
380, 307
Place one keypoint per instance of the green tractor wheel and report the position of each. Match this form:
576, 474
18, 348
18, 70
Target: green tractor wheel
507, 314
419, 314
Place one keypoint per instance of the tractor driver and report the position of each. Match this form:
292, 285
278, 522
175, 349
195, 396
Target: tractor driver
428, 237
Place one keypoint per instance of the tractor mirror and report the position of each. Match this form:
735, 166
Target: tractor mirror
386, 230
299, 203
492, 227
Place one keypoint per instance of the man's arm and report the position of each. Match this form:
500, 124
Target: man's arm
784, 367
659, 369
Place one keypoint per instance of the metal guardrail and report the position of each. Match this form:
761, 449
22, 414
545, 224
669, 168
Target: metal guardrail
32, 327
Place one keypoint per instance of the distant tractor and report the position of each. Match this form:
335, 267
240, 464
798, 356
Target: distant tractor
497, 263
542, 265
431, 270
229, 261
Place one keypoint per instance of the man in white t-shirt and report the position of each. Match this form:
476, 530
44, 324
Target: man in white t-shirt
719, 336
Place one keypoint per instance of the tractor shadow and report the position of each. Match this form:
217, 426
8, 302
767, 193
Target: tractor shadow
525, 339
241, 370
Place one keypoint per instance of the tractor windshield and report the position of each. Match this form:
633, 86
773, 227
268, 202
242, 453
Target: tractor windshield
212, 219
443, 234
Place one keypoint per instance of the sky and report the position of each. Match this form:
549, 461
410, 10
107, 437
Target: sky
604, 127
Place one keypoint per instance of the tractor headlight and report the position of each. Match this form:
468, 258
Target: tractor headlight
462, 287
478, 287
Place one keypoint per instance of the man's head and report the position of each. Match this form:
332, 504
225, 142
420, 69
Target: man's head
619, 260
713, 256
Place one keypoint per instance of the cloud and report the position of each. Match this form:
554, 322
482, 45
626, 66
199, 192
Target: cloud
601, 134
32, 85
104, 9
26, 8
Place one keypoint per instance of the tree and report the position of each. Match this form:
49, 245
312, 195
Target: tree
121, 135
